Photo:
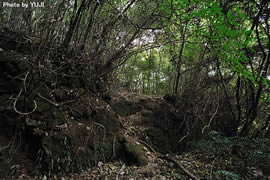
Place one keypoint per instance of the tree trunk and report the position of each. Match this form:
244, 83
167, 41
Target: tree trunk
179, 63
73, 24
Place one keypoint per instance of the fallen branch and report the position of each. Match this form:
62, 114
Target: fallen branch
147, 145
180, 166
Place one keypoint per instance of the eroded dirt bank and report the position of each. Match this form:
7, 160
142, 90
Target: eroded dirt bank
58, 128
62, 127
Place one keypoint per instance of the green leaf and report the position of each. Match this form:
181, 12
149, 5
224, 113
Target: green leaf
175, 175
229, 14
248, 32
228, 173
253, 50
237, 9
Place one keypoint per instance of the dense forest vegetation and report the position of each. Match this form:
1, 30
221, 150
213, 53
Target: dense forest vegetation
62, 59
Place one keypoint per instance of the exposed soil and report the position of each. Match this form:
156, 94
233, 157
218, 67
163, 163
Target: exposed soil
142, 158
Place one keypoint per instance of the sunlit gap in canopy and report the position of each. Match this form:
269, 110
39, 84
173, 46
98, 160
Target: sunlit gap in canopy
148, 38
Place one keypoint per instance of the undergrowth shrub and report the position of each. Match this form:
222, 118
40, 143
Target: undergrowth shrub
251, 150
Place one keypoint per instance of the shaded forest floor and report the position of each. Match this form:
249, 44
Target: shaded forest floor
214, 157
125, 135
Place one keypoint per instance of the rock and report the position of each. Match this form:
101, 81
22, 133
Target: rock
44, 177
134, 154
162, 177
126, 108
172, 99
